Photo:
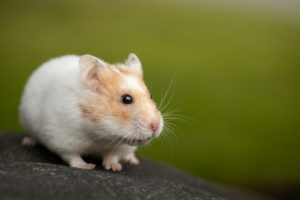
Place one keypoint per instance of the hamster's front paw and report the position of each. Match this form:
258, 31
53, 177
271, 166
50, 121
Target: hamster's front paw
131, 159
112, 164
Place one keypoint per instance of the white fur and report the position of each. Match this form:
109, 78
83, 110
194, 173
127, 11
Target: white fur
50, 113
132, 83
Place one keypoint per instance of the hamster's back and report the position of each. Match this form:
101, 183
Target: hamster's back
41, 88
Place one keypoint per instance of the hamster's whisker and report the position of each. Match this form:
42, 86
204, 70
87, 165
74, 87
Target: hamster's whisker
171, 125
132, 137
170, 115
171, 130
168, 103
114, 140
131, 132
170, 139
170, 133
122, 139
167, 92
170, 108
178, 116
135, 136
128, 133
173, 118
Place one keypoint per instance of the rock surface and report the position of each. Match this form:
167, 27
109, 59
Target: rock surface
36, 173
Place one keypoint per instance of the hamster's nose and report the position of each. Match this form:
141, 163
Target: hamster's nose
155, 124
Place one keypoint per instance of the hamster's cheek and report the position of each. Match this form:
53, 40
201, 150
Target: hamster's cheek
121, 115
112, 126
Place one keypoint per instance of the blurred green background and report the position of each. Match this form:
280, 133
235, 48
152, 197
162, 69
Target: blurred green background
237, 76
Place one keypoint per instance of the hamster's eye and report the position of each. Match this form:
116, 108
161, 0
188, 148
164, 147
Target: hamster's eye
127, 99
151, 96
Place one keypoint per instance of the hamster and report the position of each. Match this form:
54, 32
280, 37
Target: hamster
82, 105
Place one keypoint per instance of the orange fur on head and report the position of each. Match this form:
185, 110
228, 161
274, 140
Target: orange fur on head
105, 101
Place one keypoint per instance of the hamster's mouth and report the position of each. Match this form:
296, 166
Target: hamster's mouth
136, 142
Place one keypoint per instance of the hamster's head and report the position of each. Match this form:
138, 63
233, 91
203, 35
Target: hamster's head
118, 102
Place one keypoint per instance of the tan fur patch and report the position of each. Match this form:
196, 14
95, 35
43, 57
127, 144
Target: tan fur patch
106, 99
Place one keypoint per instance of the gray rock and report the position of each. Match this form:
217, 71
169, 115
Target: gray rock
36, 173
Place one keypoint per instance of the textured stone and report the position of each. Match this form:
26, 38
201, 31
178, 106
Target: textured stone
36, 173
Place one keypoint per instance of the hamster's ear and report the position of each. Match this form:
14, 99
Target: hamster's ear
90, 67
134, 62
